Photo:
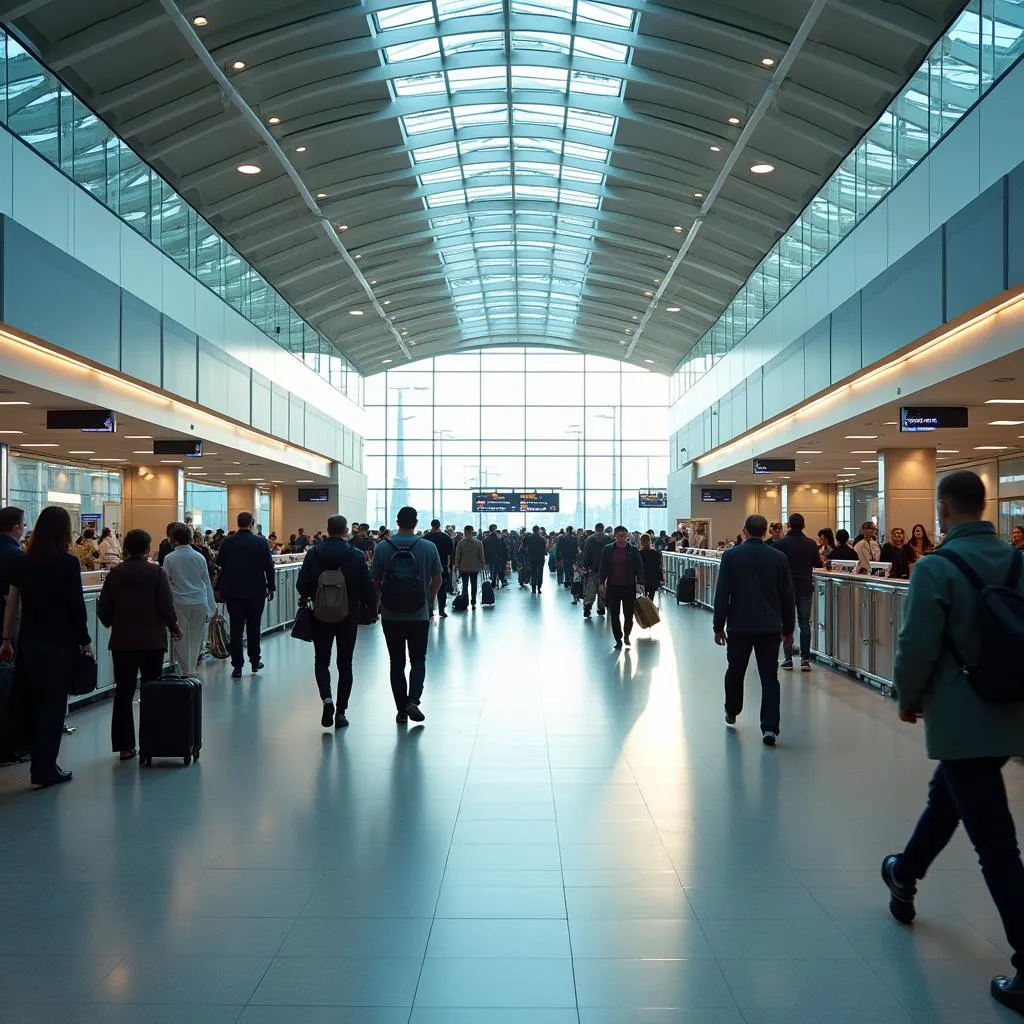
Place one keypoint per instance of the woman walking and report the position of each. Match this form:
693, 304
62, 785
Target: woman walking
651, 557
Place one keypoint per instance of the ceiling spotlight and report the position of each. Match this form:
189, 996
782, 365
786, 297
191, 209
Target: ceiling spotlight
355, 312
385, 360
648, 360
716, 149
672, 309
768, 62
622, 343
359, 256
372, 281
343, 227
238, 65
635, 317
678, 229
762, 168
387, 302
321, 195
648, 295
734, 120
199, 21
300, 149
273, 120
249, 169
698, 195
405, 332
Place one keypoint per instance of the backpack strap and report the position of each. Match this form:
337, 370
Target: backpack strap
961, 563
1013, 576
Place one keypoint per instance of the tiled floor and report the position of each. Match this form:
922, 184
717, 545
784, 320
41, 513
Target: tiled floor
574, 837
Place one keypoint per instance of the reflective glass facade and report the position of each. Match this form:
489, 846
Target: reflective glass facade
981, 45
34, 484
37, 108
206, 505
592, 429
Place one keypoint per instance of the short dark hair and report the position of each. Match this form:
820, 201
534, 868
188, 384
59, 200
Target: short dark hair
435, 524
170, 526
963, 492
756, 526
843, 536
406, 518
796, 521
869, 525
244, 520
138, 542
775, 526
11, 518
180, 533
336, 526
598, 526
620, 529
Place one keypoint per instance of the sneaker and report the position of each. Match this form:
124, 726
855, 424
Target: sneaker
618, 645
1009, 992
625, 640
236, 673
414, 713
340, 721
443, 615
768, 738
327, 718
257, 666
401, 718
788, 664
600, 611
805, 665
901, 894
730, 718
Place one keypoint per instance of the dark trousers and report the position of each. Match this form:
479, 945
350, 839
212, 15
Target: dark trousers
803, 618
620, 600
442, 593
42, 673
566, 575
245, 613
497, 571
128, 667
765, 647
651, 587
469, 580
536, 575
324, 636
972, 791
412, 635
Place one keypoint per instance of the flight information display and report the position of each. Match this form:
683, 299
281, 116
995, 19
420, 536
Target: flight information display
515, 501
921, 419
763, 467
653, 499
713, 494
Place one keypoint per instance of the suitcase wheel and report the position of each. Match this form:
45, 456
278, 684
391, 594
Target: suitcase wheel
144, 761
195, 755
187, 759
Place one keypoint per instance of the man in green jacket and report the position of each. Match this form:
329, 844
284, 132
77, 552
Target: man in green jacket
971, 738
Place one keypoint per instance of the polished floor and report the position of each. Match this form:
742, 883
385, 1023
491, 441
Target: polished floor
573, 837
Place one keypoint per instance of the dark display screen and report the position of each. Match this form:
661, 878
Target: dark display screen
653, 499
313, 494
920, 419
716, 494
515, 501
765, 467
89, 421
188, 447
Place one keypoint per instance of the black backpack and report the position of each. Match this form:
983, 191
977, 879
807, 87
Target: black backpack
1000, 613
402, 589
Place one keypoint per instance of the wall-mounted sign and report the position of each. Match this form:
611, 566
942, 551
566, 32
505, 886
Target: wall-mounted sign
515, 501
915, 419
766, 467
713, 494
192, 448
89, 421
653, 499
313, 494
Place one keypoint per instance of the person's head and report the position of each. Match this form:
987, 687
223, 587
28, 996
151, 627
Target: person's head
826, 537
645, 541
898, 536
721, 545
106, 533
756, 526
493, 528
170, 526
435, 524
919, 533
1016, 534
599, 528
89, 534
621, 536
961, 499
337, 526
245, 521
302, 531
137, 543
51, 535
406, 518
867, 530
220, 531
272, 537
796, 522
536, 530
775, 530
843, 536
468, 531
12, 522
180, 537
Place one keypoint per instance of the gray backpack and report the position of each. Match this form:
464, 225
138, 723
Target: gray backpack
331, 601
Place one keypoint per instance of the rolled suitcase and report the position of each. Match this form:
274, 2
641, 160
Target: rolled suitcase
460, 603
486, 593
686, 589
171, 719
525, 575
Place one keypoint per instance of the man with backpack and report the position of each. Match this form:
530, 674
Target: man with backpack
407, 577
335, 579
958, 663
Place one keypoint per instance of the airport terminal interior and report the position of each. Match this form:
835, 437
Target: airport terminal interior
682, 266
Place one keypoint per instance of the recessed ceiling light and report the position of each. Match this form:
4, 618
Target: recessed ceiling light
405, 332
238, 65
997, 401
11, 431
622, 343
698, 195
355, 312
359, 256
678, 229
142, 453
762, 168
300, 149
808, 451
768, 62
199, 21
412, 342
195, 472
948, 451
648, 360
978, 448
716, 149
138, 437
372, 281
170, 462
385, 360
321, 195
1005, 423
387, 302
249, 168
82, 452
869, 462
108, 460
856, 469
38, 445
14, 403
343, 227
232, 474
648, 295
734, 120
273, 120
672, 309
725, 481
305, 481
860, 437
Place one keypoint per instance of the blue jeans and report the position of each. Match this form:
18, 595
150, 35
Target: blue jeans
398, 635
803, 621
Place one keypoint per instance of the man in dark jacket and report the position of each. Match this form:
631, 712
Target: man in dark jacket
336, 552
842, 552
566, 552
446, 551
535, 551
592, 549
12, 529
754, 600
803, 557
495, 553
245, 584
166, 547
620, 574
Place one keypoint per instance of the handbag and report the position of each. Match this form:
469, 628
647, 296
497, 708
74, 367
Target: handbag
218, 639
645, 613
302, 628
84, 675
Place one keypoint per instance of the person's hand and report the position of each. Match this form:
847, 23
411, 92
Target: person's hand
175, 634
270, 595
787, 639
6, 651
218, 597
87, 649
910, 717
720, 639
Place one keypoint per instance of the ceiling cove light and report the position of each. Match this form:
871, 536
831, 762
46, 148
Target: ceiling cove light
14, 403
238, 65
948, 451
199, 21
808, 451
977, 448
1005, 401
860, 437
1006, 423
249, 169
762, 168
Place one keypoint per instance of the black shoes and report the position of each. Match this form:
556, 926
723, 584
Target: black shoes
730, 718
443, 615
1009, 992
787, 664
625, 640
55, 778
618, 645
768, 738
340, 721
414, 713
600, 611
236, 673
401, 718
901, 899
327, 718
257, 666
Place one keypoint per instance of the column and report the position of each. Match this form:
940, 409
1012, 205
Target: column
241, 498
906, 489
151, 498
5, 476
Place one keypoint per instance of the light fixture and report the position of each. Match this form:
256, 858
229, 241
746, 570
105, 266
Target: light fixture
321, 195
648, 295
405, 332
142, 453
648, 360
300, 149
698, 195
671, 309
15, 403
725, 481
860, 437
108, 460
734, 120
232, 474
808, 451
238, 65
199, 21
372, 281
305, 481
138, 437
869, 462
678, 229
1006, 423
249, 168
948, 451
194, 472
385, 360
359, 256
716, 149
863, 451
273, 120
856, 469
991, 401
82, 452
768, 62
622, 343
344, 227
762, 168
40, 445
978, 448
170, 462
387, 302
355, 312
890, 423
411, 342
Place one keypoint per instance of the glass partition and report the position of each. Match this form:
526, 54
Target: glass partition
34, 484
206, 505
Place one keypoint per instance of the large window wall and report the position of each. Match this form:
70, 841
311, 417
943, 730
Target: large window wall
34, 484
593, 429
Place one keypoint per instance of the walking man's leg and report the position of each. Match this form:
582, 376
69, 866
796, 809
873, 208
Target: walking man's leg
394, 637
613, 601
323, 640
417, 634
253, 628
236, 625
803, 618
766, 650
628, 606
345, 636
737, 649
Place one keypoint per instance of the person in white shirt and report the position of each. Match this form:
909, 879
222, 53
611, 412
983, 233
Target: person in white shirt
867, 549
110, 549
192, 590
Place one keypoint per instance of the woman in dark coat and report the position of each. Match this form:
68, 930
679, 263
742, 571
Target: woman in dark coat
651, 557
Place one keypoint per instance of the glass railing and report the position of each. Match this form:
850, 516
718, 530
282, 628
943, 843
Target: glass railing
41, 111
982, 44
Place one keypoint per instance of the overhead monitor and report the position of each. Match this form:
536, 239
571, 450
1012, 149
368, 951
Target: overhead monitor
915, 419
715, 494
313, 494
538, 501
89, 421
189, 447
515, 501
653, 499
765, 467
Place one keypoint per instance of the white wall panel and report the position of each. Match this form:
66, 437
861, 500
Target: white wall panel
7, 145
955, 171
1001, 140
179, 294
41, 198
870, 245
909, 220
96, 237
841, 269
141, 273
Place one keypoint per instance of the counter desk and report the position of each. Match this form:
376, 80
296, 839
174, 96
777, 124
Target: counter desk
279, 613
855, 620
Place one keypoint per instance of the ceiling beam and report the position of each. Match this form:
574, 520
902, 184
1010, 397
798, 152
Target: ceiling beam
894, 18
102, 36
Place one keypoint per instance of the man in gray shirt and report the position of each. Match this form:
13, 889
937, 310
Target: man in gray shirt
406, 577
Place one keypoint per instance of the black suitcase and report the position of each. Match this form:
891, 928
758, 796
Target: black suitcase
460, 603
577, 590
686, 589
486, 592
11, 717
171, 719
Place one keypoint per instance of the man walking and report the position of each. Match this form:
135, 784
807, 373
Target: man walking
446, 552
592, 550
406, 577
332, 555
494, 552
470, 561
246, 583
566, 552
754, 601
970, 736
803, 557
536, 551
621, 573
192, 593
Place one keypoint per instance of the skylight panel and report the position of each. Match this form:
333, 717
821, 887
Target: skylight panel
582, 152
600, 50
427, 121
595, 85
488, 192
411, 51
444, 151
446, 198
552, 42
539, 78
545, 145
487, 170
402, 17
589, 121
533, 113
551, 8
589, 12
579, 174
420, 85
468, 146
451, 220
448, 9
539, 192
472, 42
535, 167
446, 174
480, 113
463, 79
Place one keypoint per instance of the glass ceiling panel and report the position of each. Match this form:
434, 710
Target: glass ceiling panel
447, 9
471, 42
411, 51
402, 17
464, 79
550, 41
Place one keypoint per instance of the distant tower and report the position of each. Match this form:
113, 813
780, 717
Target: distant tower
399, 483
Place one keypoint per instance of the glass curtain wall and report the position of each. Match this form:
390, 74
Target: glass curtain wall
517, 419
34, 484
206, 505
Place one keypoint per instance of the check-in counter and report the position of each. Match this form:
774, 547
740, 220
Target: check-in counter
855, 620
279, 613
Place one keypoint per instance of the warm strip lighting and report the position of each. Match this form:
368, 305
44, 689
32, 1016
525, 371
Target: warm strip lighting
991, 448
1006, 423
40, 445
14, 403
861, 437
1005, 401
19, 432
808, 451
948, 451
138, 437
70, 452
